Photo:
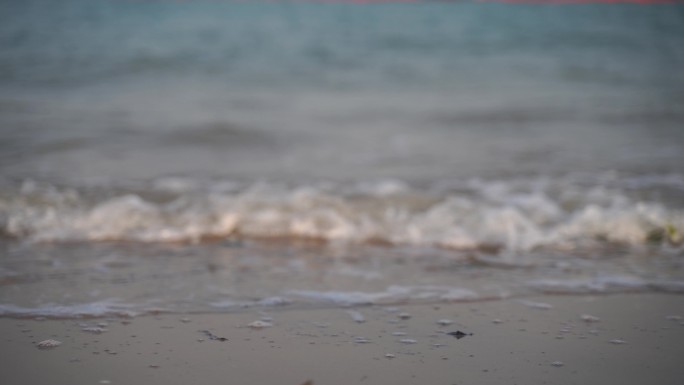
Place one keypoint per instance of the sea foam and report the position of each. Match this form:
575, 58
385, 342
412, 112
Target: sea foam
492, 215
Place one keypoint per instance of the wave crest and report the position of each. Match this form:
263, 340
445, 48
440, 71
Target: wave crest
492, 215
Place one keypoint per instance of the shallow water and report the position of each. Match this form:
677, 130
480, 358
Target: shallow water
206, 156
104, 279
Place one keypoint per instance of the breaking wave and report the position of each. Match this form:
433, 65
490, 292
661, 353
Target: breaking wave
509, 215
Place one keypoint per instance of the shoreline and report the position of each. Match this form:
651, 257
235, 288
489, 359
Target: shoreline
633, 339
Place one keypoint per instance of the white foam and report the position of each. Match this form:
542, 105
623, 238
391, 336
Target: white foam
346, 298
356, 316
604, 284
95, 309
554, 215
391, 294
274, 301
536, 305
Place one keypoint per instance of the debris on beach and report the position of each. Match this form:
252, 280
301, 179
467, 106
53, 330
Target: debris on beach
48, 344
184, 320
445, 322
557, 364
589, 318
213, 336
617, 341
361, 340
497, 321
259, 324
356, 316
389, 355
459, 334
398, 334
408, 341
404, 316
93, 329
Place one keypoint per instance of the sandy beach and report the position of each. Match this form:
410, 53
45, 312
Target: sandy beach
616, 339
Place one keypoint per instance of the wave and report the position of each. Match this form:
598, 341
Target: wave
105, 308
391, 295
474, 214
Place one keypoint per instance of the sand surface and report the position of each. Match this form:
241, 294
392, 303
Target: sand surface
544, 341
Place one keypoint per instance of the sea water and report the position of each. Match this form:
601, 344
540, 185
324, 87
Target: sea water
216, 155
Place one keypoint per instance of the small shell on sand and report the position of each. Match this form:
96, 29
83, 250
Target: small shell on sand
557, 364
408, 341
589, 318
259, 324
48, 344
617, 341
445, 322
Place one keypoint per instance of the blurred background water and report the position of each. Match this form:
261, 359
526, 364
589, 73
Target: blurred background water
522, 133
289, 90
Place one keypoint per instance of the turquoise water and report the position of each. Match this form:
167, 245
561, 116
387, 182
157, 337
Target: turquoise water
296, 90
423, 90
270, 44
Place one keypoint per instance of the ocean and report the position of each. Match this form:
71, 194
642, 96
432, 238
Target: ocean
199, 156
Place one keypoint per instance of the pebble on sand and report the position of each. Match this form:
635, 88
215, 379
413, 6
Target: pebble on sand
259, 324
48, 344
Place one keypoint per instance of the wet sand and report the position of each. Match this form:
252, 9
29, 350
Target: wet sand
637, 339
